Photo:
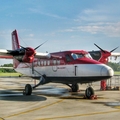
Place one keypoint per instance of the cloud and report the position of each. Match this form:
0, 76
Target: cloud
108, 29
96, 21
111, 29
91, 15
31, 35
5, 34
46, 13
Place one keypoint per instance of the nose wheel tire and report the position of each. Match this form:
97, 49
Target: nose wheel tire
27, 90
89, 92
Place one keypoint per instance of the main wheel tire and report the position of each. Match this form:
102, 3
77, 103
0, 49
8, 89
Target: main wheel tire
75, 87
89, 92
28, 90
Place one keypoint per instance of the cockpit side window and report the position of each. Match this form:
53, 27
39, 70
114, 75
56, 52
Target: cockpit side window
68, 58
76, 56
80, 55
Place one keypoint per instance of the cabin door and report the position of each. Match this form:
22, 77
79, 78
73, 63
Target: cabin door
54, 67
75, 70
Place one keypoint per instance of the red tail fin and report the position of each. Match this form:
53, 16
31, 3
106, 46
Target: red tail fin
15, 41
15, 45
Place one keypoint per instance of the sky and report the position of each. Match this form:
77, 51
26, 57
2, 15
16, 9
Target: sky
64, 24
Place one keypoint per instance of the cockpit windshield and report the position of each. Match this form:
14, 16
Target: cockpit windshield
80, 55
88, 56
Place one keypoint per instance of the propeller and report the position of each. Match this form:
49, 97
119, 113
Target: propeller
104, 50
114, 49
99, 48
40, 45
22, 47
28, 53
34, 48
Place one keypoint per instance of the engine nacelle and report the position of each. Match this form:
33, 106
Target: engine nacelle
29, 55
28, 59
104, 57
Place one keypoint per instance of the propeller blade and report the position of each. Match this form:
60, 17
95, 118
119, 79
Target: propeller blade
22, 47
39, 45
114, 49
99, 48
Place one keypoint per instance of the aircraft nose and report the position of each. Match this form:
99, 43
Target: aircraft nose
107, 71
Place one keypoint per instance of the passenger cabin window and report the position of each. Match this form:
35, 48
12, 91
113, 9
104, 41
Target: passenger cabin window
58, 62
68, 58
41, 62
48, 62
54, 62
44, 63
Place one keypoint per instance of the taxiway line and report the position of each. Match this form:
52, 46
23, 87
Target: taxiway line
1, 118
79, 115
31, 110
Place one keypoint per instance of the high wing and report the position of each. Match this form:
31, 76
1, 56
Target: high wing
42, 55
115, 54
5, 54
10, 54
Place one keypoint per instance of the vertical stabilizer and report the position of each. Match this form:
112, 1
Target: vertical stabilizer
15, 45
15, 41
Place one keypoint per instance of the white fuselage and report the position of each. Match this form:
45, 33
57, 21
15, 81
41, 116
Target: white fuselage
99, 71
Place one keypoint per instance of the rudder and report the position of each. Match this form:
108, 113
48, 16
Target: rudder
15, 41
15, 46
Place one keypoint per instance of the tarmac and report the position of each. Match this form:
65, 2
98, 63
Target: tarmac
54, 101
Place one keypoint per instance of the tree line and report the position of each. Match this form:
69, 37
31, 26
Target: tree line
7, 69
114, 66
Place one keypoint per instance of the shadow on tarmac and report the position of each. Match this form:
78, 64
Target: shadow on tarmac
109, 104
17, 96
62, 93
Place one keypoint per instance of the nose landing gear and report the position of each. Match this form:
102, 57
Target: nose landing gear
89, 92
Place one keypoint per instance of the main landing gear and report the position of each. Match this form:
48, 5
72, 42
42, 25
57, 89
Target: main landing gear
28, 88
74, 87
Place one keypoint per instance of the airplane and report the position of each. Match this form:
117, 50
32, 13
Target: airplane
68, 67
